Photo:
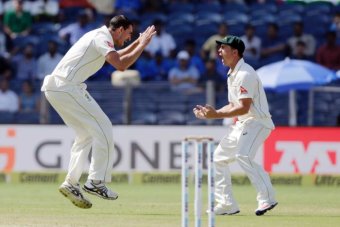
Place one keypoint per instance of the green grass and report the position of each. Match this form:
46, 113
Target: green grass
159, 205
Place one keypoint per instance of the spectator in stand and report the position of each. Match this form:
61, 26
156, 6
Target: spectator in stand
5, 44
1, 8
74, 3
143, 66
17, 22
29, 101
335, 25
9, 101
3, 49
300, 52
48, 61
273, 46
154, 69
104, 73
154, 6
328, 54
6, 71
162, 41
184, 77
195, 59
162, 66
105, 7
211, 74
72, 32
45, 10
25, 64
209, 48
253, 46
298, 35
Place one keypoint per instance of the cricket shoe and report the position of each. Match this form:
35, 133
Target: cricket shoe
264, 207
73, 193
99, 190
220, 209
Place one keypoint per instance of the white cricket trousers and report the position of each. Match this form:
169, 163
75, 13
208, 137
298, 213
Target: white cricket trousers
93, 129
241, 144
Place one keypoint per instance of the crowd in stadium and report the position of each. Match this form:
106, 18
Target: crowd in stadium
35, 34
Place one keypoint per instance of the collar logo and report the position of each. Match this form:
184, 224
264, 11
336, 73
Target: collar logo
243, 90
109, 44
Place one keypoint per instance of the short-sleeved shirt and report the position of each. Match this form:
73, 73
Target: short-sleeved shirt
85, 57
308, 39
9, 101
190, 72
243, 82
28, 102
18, 23
254, 43
210, 45
75, 31
46, 64
163, 43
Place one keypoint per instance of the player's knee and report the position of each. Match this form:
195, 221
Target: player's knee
218, 160
241, 158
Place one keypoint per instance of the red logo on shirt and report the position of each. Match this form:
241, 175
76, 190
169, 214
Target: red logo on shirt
243, 90
109, 44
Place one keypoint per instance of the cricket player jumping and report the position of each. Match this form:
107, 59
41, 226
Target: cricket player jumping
66, 92
247, 102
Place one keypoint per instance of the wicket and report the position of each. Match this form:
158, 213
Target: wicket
198, 141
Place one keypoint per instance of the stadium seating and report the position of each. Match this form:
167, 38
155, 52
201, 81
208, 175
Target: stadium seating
213, 7
204, 17
181, 7
155, 103
27, 118
180, 18
234, 6
7, 117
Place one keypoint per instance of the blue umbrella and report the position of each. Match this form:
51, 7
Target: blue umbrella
291, 74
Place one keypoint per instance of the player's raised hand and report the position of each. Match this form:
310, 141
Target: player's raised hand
146, 36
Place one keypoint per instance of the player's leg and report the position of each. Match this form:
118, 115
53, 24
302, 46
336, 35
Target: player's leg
102, 160
79, 155
79, 152
252, 137
224, 154
226, 203
99, 127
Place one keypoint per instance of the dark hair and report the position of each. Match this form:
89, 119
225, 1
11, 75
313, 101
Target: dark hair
249, 26
190, 42
120, 21
274, 25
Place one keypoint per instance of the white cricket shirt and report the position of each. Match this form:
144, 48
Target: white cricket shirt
243, 82
84, 58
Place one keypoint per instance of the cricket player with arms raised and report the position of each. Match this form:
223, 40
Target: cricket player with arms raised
247, 102
66, 92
